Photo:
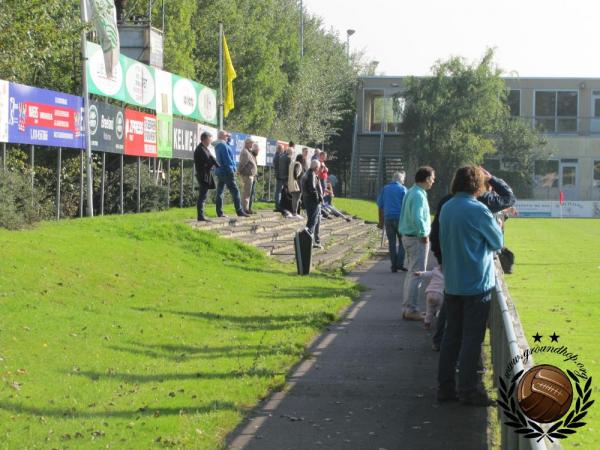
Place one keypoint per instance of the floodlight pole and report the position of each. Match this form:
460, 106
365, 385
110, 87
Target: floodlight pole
221, 104
86, 115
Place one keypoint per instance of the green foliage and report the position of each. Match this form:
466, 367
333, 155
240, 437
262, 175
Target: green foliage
20, 204
138, 331
459, 115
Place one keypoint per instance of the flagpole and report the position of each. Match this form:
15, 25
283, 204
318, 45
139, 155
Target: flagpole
86, 115
221, 104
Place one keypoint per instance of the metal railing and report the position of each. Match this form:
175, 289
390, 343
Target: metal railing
507, 341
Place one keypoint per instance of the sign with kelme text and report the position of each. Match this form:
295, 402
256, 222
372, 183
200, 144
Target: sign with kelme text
140, 133
185, 139
43, 117
107, 127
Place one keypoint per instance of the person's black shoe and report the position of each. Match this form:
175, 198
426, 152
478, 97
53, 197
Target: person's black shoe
242, 214
477, 398
394, 270
445, 395
403, 269
222, 215
203, 219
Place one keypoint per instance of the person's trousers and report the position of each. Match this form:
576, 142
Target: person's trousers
253, 193
433, 303
295, 201
247, 182
313, 211
440, 326
394, 243
466, 318
202, 195
229, 181
415, 260
278, 187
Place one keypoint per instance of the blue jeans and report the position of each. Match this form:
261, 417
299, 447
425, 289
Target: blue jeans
229, 181
278, 187
466, 318
396, 250
313, 211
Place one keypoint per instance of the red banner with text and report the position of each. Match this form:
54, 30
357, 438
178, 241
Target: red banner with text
140, 133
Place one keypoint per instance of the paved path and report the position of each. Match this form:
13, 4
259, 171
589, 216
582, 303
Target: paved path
370, 385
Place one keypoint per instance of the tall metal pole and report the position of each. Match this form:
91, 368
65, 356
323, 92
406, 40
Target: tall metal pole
86, 115
58, 180
301, 29
221, 104
139, 183
80, 184
32, 161
102, 182
168, 183
121, 206
181, 185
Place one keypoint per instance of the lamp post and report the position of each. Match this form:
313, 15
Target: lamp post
349, 33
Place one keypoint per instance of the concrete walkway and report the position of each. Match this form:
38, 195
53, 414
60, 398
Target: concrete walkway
370, 384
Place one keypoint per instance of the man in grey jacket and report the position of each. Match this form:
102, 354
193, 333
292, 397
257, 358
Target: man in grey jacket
278, 176
312, 197
248, 169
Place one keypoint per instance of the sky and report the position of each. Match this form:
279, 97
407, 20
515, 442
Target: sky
535, 38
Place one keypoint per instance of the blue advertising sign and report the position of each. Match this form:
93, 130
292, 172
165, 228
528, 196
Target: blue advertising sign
237, 142
42, 117
271, 149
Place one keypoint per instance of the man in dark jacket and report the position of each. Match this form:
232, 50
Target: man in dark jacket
204, 162
312, 197
282, 174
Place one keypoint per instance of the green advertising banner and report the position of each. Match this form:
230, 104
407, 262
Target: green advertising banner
165, 135
131, 82
194, 100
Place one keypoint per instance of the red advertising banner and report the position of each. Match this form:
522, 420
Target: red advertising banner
140, 134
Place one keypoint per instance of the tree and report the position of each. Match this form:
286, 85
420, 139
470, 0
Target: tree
458, 116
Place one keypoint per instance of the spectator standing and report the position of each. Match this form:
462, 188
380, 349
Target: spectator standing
469, 236
226, 174
294, 180
414, 228
278, 182
283, 172
498, 197
390, 205
204, 162
316, 154
248, 170
306, 159
255, 151
324, 171
312, 197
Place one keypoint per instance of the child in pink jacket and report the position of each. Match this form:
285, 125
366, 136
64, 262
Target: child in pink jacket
434, 292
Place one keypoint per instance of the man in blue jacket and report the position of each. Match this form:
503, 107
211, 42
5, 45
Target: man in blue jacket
469, 236
226, 174
390, 206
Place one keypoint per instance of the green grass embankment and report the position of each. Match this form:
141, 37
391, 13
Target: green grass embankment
137, 331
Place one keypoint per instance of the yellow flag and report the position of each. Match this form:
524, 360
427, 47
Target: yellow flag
230, 75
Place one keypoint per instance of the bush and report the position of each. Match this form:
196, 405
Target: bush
20, 205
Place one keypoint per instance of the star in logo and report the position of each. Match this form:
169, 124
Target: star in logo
554, 337
537, 337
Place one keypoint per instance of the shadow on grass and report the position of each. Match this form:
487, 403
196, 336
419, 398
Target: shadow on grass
287, 271
187, 352
161, 377
256, 323
72, 413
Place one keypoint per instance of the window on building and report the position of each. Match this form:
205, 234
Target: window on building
556, 111
378, 109
546, 174
514, 102
569, 176
597, 174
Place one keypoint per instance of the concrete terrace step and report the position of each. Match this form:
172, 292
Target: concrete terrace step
346, 242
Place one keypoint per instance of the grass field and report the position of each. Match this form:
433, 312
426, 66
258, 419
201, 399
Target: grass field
135, 332
556, 288
365, 209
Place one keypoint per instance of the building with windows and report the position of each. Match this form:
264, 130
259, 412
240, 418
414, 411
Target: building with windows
566, 110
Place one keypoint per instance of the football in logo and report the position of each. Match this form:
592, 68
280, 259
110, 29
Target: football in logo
545, 393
